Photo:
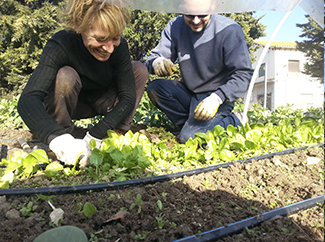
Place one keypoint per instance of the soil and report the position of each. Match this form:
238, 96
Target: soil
190, 205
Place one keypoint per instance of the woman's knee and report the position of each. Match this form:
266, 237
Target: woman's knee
68, 79
140, 71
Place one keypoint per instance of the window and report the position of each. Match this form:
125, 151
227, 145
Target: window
294, 66
261, 70
260, 100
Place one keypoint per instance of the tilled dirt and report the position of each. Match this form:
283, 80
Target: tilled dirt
189, 205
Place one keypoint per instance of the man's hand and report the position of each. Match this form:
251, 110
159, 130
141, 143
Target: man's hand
67, 149
163, 67
207, 108
88, 138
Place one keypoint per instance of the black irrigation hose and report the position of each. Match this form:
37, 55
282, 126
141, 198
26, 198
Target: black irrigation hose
213, 235
135, 182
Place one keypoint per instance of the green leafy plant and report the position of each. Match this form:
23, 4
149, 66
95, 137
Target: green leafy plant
9, 116
94, 238
142, 236
149, 114
20, 167
222, 206
160, 220
137, 202
159, 205
28, 210
96, 159
44, 197
88, 209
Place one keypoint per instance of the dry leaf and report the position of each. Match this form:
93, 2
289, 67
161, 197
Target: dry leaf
119, 215
56, 215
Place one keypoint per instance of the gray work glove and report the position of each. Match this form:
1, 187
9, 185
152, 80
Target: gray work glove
67, 148
207, 108
163, 67
88, 138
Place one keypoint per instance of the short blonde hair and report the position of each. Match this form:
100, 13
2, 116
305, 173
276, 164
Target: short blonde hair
79, 15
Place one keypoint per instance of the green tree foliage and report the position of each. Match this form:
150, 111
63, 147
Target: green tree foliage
25, 26
313, 47
144, 31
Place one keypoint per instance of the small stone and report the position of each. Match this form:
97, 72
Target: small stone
313, 160
251, 179
276, 161
5, 206
2, 199
13, 214
260, 172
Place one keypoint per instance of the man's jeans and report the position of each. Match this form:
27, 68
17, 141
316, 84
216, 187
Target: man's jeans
179, 103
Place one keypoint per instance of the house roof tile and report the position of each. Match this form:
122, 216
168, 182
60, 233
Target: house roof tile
279, 44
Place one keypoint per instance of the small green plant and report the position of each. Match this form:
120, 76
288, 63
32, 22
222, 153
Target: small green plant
150, 115
79, 206
96, 159
173, 224
137, 202
317, 226
254, 207
222, 206
111, 196
44, 197
286, 231
94, 238
206, 183
160, 220
28, 210
142, 236
159, 205
88, 209
250, 231
273, 204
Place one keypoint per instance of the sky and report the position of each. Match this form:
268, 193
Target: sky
288, 32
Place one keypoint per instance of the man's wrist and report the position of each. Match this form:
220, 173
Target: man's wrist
221, 95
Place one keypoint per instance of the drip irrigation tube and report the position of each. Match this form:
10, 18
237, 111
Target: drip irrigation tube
135, 182
236, 227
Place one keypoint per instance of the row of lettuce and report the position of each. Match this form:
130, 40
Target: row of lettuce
148, 114
133, 155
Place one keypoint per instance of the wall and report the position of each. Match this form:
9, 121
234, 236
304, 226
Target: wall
284, 86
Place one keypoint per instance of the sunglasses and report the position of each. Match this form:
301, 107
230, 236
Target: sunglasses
193, 16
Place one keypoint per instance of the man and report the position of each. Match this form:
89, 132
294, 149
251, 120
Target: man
83, 71
215, 68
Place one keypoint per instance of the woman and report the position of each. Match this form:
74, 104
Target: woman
84, 71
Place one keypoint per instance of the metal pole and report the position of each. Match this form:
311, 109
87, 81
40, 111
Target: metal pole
265, 85
259, 62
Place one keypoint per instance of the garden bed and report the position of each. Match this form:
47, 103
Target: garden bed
183, 207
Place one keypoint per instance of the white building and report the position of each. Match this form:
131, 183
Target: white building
286, 84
